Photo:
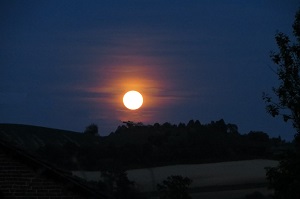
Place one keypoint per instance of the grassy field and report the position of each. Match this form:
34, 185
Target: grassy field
217, 180
203, 175
226, 180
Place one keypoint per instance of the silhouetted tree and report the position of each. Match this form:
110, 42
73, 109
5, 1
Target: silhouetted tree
288, 71
91, 129
197, 124
258, 136
156, 125
129, 124
118, 184
181, 125
167, 125
174, 187
285, 178
191, 124
232, 128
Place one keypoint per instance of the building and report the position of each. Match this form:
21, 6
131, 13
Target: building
24, 176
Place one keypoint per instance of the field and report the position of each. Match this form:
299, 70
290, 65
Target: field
216, 180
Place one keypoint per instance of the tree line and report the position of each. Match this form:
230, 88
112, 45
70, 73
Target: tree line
134, 145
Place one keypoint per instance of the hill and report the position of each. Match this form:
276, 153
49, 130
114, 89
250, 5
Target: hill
34, 137
134, 145
229, 180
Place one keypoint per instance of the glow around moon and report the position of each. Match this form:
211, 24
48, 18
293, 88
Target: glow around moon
133, 100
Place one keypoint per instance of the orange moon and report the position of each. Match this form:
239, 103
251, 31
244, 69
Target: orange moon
132, 100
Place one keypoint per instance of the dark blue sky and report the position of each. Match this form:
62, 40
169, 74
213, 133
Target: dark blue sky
66, 64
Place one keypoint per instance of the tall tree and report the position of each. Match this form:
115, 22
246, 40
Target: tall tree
285, 178
92, 129
288, 70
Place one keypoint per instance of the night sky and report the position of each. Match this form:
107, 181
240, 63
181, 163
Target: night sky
67, 64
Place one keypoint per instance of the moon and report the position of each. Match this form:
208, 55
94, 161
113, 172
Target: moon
133, 100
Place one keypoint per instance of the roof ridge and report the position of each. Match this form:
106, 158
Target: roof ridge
48, 169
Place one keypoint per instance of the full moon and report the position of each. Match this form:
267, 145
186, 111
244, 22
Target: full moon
133, 100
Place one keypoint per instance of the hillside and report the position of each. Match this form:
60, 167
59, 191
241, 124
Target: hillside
230, 180
138, 146
33, 137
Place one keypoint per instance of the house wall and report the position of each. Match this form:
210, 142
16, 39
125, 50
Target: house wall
19, 179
